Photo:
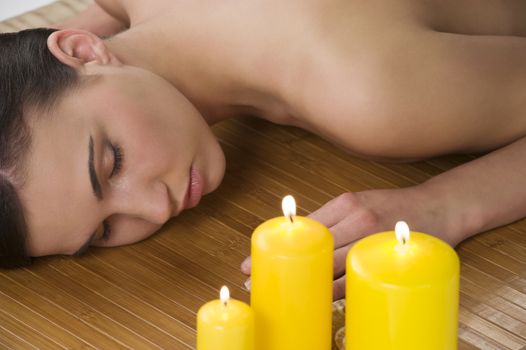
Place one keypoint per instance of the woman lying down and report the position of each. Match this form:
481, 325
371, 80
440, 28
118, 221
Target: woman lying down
104, 140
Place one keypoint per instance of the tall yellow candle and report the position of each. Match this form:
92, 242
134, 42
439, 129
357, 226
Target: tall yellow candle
402, 292
291, 291
225, 324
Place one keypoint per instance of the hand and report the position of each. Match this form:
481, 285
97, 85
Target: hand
352, 216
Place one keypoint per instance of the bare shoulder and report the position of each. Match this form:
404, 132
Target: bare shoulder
133, 11
348, 88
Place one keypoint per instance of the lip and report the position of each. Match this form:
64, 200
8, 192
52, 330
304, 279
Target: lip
195, 189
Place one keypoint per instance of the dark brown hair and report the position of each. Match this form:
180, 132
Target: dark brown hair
30, 78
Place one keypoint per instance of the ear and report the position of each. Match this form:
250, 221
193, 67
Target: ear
76, 48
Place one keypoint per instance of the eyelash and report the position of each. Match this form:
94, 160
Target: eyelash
106, 230
118, 158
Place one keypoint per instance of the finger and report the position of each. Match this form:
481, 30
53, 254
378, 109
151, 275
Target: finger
248, 284
333, 211
246, 265
340, 260
338, 289
356, 225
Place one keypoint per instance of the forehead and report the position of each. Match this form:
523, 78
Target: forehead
56, 189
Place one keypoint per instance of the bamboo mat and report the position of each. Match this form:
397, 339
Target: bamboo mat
146, 296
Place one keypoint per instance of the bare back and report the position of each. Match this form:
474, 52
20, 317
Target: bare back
385, 79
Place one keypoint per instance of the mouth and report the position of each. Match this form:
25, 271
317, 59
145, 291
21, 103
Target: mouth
195, 189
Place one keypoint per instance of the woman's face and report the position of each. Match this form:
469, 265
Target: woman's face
113, 161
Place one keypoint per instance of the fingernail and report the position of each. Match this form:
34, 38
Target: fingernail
248, 284
245, 265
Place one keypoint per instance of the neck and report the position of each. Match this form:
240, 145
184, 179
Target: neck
220, 83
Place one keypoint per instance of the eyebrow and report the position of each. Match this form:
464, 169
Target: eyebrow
95, 184
97, 191
86, 245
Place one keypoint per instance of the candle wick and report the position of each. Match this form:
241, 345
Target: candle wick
224, 303
403, 240
291, 219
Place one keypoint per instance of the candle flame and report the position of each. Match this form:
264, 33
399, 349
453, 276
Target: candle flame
402, 232
224, 295
289, 207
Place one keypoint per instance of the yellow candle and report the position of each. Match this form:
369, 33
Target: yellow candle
291, 292
402, 292
225, 324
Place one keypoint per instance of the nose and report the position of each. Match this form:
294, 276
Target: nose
149, 203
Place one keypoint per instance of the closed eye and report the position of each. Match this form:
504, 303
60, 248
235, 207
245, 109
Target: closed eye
118, 158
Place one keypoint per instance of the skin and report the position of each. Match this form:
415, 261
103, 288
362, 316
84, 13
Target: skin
151, 121
392, 80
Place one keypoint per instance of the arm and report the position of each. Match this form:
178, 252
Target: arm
477, 196
95, 20
485, 193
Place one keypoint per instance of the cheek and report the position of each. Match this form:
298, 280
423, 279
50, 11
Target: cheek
127, 230
149, 142
158, 135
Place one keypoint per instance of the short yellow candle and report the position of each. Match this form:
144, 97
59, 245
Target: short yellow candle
402, 292
291, 292
225, 324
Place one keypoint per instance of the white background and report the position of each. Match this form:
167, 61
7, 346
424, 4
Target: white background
11, 8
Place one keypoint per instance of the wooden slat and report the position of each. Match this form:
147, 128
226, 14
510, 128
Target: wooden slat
23, 288
18, 335
33, 327
492, 332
